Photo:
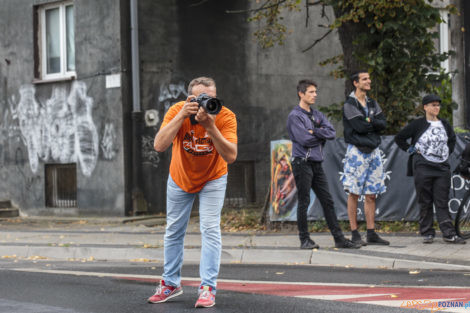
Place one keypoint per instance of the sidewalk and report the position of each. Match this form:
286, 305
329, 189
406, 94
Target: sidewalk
141, 240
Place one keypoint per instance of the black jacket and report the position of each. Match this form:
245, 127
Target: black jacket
414, 130
359, 132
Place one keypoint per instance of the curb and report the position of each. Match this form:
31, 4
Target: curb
229, 256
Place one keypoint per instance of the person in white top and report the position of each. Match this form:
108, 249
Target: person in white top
432, 141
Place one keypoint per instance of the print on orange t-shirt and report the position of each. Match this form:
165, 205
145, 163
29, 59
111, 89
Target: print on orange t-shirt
194, 159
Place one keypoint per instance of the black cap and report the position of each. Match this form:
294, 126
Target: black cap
431, 98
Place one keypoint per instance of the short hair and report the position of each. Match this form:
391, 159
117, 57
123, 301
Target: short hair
355, 76
205, 81
304, 84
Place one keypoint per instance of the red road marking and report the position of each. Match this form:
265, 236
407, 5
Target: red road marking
304, 289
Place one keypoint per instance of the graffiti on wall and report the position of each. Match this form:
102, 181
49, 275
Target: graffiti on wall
60, 129
9, 128
149, 155
171, 93
108, 142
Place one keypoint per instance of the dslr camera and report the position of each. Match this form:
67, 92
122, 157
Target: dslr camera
211, 105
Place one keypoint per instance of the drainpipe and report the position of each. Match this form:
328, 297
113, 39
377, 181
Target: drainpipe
139, 205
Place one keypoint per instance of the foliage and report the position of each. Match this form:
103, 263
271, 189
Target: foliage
273, 32
392, 39
459, 130
233, 220
444, 90
381, 226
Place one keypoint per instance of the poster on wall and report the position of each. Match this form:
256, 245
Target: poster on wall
283, 196
397, 203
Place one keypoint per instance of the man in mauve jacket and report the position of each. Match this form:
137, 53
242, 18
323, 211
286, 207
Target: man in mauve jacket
309, 129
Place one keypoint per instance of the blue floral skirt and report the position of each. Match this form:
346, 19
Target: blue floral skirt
363, 173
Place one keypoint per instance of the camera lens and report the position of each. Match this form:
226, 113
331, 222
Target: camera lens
213, 106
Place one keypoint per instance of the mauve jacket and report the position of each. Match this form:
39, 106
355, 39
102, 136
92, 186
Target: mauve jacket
305, 145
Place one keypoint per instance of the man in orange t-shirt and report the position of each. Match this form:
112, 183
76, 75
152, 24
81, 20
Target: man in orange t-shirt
200, 155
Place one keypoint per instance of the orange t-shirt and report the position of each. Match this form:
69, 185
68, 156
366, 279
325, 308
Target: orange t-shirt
194, 160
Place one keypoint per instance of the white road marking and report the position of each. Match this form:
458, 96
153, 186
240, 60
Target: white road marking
343, 297
157, 277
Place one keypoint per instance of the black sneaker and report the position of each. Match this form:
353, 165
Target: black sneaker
359, 241
348, 244
356, 238
428, 239
374, 239
455, 239
308, 244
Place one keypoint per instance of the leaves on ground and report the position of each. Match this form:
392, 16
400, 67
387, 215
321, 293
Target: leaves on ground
233, 220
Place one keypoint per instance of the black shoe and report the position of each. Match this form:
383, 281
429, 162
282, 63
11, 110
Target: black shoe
356, 238
308, 244
348, 244
455, 239
428, 239
374, 239
359, 241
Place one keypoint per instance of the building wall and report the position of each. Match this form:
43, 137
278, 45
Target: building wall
180, 40
457, 64
77, 121
272, 80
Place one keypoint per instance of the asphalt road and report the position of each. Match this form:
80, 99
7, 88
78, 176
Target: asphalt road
101, 287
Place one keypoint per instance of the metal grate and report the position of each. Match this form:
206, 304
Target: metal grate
61, 185
240, 184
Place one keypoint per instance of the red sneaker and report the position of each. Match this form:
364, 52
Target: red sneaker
206, 298
165, 293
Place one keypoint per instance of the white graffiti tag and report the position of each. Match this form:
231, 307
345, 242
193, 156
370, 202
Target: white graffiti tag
108, 142
62, 130
149, 155
171, 93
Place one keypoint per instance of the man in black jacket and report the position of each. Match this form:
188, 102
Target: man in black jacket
363, 173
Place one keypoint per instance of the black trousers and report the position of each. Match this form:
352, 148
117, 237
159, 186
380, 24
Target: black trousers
432, 182
309, 174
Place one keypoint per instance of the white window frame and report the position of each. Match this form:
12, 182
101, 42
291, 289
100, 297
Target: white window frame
63, 74
444, 38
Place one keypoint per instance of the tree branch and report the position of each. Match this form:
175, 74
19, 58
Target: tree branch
308, 15
199, 3
323, 13
317, 41
310, 3
263, 7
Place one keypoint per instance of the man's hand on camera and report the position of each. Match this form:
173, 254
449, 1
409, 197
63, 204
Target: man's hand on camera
190, 107
205, 119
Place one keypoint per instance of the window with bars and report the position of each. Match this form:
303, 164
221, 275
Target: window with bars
61, 185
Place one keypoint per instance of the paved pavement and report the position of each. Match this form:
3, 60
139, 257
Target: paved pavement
141, 240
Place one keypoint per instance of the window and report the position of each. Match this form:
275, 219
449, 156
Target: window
56, 41
61, 185
444, 38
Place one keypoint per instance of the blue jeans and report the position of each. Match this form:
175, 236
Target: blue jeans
178, 210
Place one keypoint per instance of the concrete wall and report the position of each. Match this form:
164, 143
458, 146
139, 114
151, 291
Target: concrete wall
177, 43
78, 121
180, 40
457, 65
272, 80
